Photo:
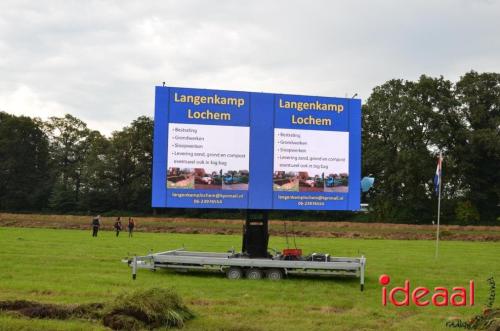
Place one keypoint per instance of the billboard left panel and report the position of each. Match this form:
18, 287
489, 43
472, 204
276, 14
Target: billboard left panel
203, 150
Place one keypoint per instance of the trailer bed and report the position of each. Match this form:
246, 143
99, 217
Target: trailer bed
235, 265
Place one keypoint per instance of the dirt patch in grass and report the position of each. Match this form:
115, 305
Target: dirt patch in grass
329, 309
276, 228
34, 309
239, 328
122, 322
143, 309
200, 302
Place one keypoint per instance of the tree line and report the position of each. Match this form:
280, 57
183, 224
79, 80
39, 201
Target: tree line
61, 165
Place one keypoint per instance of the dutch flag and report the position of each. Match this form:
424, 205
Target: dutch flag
437, 176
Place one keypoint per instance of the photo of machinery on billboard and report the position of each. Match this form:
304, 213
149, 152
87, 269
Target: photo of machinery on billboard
230, 149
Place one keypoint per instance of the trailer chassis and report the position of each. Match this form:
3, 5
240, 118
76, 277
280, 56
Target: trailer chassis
237, 266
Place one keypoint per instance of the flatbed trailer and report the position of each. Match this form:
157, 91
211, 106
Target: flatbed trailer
237, 266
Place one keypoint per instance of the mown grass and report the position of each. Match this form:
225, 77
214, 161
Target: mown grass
276, 227
69, 266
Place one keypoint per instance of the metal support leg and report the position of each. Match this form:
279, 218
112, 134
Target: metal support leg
134, 268
362, 273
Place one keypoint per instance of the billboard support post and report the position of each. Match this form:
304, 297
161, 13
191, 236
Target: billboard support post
256, 233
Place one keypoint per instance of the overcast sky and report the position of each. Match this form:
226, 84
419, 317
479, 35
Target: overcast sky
100, 60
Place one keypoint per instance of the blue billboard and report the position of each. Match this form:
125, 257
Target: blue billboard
247, 150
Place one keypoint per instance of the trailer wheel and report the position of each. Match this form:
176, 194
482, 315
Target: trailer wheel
234, 273
274, 274
254, 274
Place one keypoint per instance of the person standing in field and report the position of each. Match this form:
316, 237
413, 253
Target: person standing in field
131, 225
96, 224
118, 226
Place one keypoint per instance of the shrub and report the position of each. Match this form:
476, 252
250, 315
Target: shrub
152, 308
466, 213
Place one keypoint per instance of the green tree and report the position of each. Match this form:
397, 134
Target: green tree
129, 165
402, 131
70, 142
478, 146
24, 178
96, 192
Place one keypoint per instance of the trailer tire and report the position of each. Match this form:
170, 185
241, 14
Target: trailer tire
253, 274
234, 273
274, 274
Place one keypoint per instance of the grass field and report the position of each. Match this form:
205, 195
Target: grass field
69, 266
276, 228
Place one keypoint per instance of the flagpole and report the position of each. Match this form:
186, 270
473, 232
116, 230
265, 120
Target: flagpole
439, 201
